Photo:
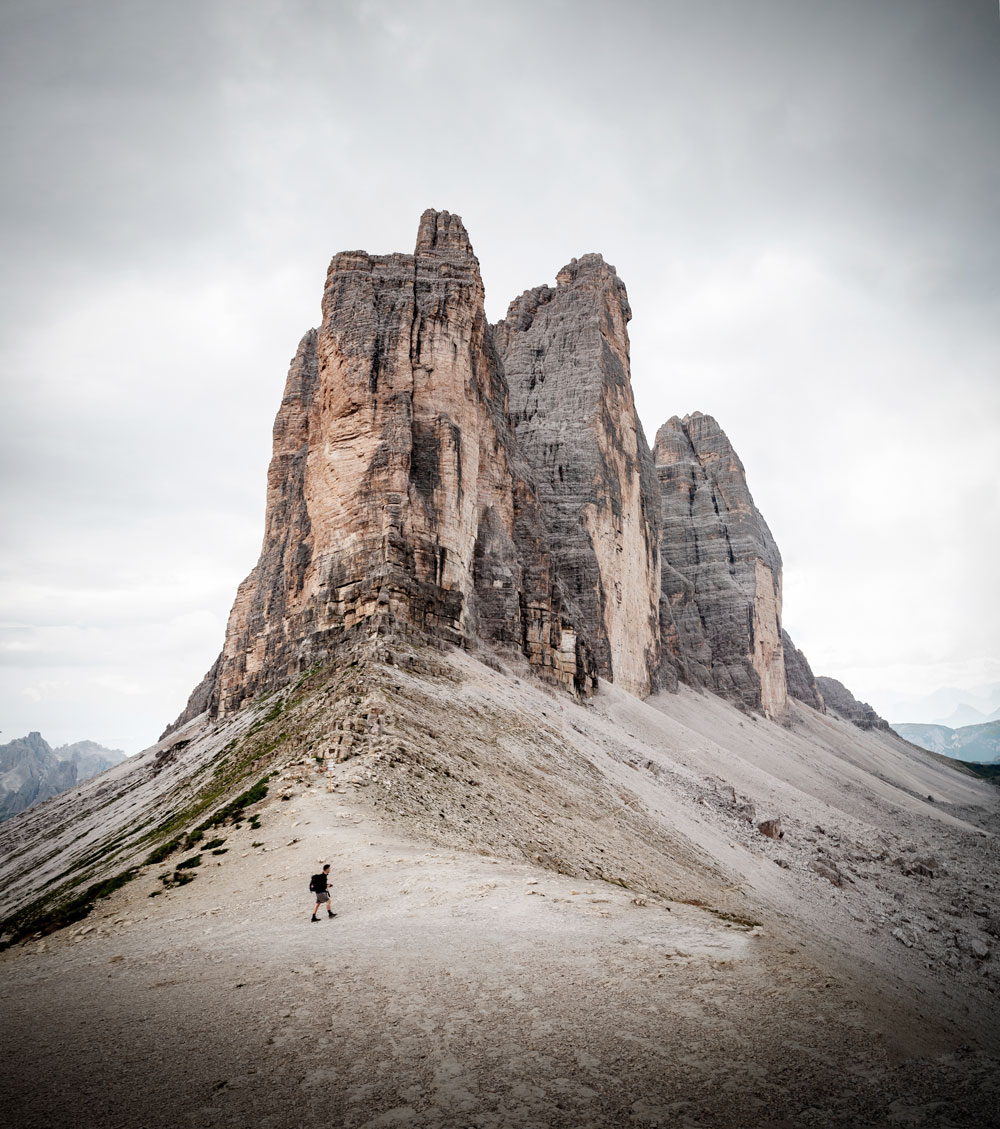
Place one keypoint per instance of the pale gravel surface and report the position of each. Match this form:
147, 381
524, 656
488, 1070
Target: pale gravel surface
456, 989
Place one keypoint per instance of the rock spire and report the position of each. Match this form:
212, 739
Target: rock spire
566, 356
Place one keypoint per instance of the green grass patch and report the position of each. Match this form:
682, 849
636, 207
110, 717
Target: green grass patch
162, 851
36, 918
235, 808
189, 864
221, 851
212, 844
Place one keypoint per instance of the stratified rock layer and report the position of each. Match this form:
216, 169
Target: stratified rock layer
565, 353
721, 570
396, 496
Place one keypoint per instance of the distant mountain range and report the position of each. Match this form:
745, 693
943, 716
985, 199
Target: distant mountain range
32, 771
947, 706
975, 743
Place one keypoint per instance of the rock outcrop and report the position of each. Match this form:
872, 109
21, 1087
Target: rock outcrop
397, 498
799, 676
721, 570
843, 704
565, 353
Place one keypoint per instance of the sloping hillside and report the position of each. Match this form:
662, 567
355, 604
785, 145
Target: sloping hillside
548, 913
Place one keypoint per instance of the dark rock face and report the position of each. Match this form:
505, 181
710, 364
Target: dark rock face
721, 571
842, 703
801, 680
565, 353
397, 498
29, 773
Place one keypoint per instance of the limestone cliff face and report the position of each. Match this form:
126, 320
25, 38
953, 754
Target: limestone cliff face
565, 353
396, 495
721, 570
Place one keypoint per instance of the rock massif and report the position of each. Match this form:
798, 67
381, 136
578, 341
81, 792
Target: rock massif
438, 476
566, 356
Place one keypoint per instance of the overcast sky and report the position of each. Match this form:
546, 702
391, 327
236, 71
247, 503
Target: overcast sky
801, 198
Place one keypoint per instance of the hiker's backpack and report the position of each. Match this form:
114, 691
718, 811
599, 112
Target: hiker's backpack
312, 885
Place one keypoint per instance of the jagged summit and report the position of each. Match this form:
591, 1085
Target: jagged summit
444, 234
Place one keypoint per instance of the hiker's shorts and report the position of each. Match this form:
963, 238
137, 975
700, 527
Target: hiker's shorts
322, 896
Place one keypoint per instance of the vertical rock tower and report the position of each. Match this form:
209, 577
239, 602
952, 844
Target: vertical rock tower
566, 356
721, 576
396, 495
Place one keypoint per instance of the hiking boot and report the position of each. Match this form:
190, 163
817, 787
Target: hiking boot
315, 918
330, 913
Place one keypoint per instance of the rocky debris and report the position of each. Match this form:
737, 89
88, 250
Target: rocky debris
799, 676
565, 353
905, 935
843, 704
716, 794
720, 610
771, 828
926, 867
827, 869
734, 803
397, 498
979, 949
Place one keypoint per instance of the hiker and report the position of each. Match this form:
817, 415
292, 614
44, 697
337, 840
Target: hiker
320, 883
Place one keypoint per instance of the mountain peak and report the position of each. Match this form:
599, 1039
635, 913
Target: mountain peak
443, 234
